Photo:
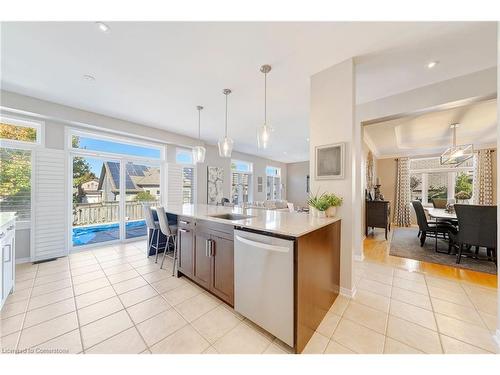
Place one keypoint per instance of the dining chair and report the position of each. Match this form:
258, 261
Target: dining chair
428, 227
439, 202
477, 226
170, 231
153, 230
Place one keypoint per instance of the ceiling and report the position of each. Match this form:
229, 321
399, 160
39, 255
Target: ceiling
156, 73
430, 133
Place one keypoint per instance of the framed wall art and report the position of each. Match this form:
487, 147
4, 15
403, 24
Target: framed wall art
330, 161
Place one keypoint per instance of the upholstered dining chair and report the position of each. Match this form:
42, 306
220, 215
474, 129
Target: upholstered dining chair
439, 202
429, 227
170, 231
477, 227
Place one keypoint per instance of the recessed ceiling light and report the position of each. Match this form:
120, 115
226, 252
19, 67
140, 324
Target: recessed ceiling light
88, 77
102, 26
432, 64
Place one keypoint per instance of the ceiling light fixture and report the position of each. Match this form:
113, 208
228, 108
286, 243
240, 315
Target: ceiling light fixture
199, 151
456, 155
225, 144
102, 26
432, 64
88, 77
264, 132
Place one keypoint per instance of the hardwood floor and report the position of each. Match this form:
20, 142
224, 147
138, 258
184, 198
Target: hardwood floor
376, 249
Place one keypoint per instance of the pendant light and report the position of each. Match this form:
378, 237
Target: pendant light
226, 143
456, 155
199, 151
264, 132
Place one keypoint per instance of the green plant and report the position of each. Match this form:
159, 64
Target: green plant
463, 195
144, 196
333, 200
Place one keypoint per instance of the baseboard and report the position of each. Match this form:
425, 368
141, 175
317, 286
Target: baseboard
349, 293
496, 337
23, 260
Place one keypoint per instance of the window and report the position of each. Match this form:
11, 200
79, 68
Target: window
273, 183
183, 156
431, 180
241, 181
15, 182
188, 185
20, 131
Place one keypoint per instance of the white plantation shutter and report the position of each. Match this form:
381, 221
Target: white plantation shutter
50, 215
174, 183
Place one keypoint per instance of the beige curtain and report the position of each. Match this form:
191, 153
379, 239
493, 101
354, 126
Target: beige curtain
483, 178
402, 204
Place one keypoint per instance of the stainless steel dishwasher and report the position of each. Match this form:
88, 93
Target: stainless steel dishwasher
263, 282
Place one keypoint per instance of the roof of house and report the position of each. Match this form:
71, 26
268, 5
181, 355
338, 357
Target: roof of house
136, 176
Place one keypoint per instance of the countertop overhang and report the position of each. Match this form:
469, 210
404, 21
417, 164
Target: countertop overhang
293, 224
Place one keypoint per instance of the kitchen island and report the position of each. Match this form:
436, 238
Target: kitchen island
279, 269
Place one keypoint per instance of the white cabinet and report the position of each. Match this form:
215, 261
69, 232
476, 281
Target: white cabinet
8, 257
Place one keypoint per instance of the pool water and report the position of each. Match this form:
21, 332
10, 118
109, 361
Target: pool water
107, 232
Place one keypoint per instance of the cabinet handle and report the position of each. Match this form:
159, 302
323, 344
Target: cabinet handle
11, 227
211, 248
206, 248
3, 256
183, 230
184, 222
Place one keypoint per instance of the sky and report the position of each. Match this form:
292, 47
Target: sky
114, 147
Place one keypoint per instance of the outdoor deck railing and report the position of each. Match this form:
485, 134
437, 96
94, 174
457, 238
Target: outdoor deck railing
106, 212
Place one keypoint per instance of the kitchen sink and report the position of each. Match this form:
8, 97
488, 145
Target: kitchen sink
231, 216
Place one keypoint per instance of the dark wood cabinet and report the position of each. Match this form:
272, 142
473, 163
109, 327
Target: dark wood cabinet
206, 255
377, 215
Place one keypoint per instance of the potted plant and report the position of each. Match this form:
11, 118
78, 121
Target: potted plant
333, 202
462, 196
318, 205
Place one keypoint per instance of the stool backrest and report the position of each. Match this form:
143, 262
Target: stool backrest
148, 216
162, 220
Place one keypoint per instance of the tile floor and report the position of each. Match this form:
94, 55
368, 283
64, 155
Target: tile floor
114, 299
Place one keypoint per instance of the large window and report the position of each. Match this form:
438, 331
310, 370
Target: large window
112, 180
241, 181
184, 157
18, 137
273, 183
431, 180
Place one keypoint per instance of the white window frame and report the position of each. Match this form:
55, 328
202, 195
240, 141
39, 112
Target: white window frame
250, 177
451, 175
123, 159
188, 165
28, 146
275, 176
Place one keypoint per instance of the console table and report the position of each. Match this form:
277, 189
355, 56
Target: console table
377, 215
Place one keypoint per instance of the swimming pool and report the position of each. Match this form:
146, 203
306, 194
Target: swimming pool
107, 232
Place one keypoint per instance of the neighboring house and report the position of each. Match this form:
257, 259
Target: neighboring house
137, 178
92, 192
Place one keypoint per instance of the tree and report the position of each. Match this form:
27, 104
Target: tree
145, 196
463, 183
17, 133
81, 173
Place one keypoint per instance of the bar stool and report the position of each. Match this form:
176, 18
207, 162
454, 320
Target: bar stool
153, 228
170, 231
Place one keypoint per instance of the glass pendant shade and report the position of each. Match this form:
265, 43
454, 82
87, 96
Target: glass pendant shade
456, 154
199, 154
264, 135
225, 147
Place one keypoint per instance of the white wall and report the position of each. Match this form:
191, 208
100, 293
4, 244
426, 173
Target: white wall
213, 159
56, 117
331, 121
297, 182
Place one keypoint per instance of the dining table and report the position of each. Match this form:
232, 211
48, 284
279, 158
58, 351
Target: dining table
440, 214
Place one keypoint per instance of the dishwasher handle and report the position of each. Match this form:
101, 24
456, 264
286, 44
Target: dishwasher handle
261, 245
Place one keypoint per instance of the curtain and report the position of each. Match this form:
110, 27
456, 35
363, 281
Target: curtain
402, 204
483, 178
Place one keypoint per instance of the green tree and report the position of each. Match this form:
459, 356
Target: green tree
81, 173
463, 183
145, 196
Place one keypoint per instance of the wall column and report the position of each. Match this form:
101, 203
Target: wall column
332, 121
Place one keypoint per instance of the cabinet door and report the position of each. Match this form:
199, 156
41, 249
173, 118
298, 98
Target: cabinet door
223, 269
202, 260
186, 249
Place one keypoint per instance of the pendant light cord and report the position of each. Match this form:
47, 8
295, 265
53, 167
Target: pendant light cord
265, 98
225, 131
199, 124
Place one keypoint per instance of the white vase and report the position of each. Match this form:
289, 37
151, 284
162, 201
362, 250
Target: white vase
331, 211
321, 213
313, 211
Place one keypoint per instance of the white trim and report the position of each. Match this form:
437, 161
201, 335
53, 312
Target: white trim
23, 260
349, 293
496, 338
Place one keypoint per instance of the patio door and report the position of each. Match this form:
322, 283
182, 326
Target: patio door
97, 193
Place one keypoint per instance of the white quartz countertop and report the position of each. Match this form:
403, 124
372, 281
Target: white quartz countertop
294, 224
5, 217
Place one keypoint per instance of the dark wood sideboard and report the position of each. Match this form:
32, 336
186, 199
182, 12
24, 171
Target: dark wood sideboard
378, 215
